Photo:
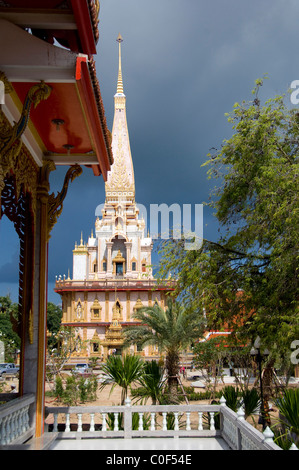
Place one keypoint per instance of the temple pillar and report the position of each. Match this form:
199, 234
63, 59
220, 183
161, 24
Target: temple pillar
109, 257
128, 246
34, 350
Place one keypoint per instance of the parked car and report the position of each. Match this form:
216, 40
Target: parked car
82, 368
9, 368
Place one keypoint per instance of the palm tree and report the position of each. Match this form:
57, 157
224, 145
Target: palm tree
122, 371
171, 330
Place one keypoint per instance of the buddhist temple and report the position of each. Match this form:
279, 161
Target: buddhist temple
112, 274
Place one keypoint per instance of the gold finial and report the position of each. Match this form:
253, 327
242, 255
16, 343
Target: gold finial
120, 87
81, 241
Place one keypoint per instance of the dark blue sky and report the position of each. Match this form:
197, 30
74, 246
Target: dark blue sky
185, 63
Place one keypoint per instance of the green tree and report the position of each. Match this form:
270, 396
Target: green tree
208, 357
123, 371
8, 326
65, 343
54, 316
171, 330
248, 277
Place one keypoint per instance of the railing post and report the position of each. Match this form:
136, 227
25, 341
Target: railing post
240, 415
268, 435
222, 404
92, 427
128, 419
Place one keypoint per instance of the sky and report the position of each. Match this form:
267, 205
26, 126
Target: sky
184, 64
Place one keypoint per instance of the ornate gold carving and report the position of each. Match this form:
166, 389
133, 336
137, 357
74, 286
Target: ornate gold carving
79, 313
7, 85
30, 326
18, 161
138, 305
119, 180
96, 310
35, 95
117, 310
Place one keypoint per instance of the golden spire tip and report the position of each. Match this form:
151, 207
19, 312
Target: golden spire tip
119, 38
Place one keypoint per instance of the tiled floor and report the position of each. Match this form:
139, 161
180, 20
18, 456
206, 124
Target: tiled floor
147, 444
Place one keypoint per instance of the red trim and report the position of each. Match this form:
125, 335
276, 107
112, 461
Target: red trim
79, 67
86, 91
84, 24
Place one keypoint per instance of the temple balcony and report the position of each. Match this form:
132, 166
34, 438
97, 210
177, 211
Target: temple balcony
193, 427
120, 282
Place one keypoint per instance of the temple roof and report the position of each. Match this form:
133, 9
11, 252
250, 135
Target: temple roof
72, 23
70, 126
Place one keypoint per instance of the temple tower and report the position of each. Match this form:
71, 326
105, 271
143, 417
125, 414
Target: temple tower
112, 274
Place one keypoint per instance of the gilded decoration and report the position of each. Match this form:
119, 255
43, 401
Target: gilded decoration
15, 158
117, 310
138, 305
96, 310
79, 312
8, 137
119, 180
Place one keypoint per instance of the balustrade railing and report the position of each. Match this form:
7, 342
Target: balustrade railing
135, 421
15, 426
160, 421
110, 283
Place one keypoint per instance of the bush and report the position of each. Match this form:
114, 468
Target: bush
77, 389
58, 391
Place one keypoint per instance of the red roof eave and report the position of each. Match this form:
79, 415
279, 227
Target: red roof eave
84, 24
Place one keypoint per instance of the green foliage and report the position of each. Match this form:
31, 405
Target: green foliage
8, 327
58, 391
171, 330
288, 405
54, 316
251, 401
77, 389
248, 278
152, 383
122, 371
231, 395
71, 392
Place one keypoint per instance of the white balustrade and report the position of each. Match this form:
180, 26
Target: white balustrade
186, 420
14, 420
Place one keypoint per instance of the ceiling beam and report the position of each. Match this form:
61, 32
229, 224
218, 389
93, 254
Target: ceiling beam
43, 19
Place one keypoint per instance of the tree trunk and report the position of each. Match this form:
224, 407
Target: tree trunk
172, 367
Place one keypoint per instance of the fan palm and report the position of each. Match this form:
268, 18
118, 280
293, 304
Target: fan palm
171, 330
122, 371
